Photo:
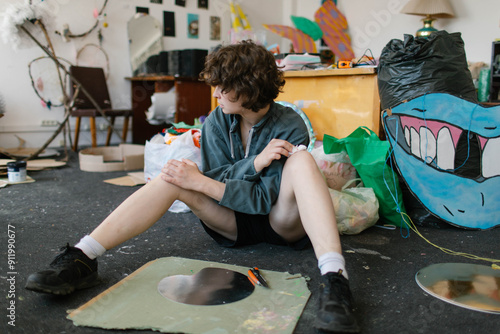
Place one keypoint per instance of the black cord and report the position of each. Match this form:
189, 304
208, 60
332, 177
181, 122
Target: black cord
370, 61
313, 66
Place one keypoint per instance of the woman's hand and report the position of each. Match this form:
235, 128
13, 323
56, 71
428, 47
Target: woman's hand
183, 173
273, 151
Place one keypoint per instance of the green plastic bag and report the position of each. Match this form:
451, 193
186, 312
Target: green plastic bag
368, 155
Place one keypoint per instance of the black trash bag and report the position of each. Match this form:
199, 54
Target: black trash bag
416, 66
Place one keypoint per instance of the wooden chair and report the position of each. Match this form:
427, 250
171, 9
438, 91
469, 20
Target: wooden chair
94, 82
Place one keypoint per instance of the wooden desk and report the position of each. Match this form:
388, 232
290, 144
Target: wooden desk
193, 100
336, 101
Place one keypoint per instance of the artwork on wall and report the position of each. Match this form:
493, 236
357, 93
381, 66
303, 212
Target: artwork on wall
181, 3
193, 24
168, 24
203, 4
144, 10
156, 1
214, 28
301, 42
329, 25
334, 25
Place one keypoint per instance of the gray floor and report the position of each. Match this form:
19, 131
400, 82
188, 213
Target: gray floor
65, 203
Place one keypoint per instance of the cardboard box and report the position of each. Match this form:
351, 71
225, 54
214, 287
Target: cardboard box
124, 157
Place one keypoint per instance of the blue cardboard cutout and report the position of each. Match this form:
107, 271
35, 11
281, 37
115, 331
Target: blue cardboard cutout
447, 149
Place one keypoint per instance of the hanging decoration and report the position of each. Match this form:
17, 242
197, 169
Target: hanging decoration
98, 15
93, 55
44, 78
24, 25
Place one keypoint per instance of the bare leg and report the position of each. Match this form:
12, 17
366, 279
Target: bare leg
305, 206
135, 215
147, 205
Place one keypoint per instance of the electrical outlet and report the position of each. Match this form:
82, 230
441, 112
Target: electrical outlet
50, 122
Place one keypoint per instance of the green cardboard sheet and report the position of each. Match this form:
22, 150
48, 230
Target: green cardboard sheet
135, 303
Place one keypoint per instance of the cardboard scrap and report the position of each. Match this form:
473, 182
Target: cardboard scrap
34, 165
29, 179
124, 157
24, 152
39, 164
130, 180
135, 303
3, 162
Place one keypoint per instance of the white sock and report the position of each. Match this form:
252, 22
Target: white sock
332, 262
90, 247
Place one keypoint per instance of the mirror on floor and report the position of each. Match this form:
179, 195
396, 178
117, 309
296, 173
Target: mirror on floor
471, 286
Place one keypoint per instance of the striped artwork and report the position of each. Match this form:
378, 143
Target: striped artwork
301, 42
333, 23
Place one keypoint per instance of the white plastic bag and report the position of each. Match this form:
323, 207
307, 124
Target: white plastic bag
157, 153
336, 168
356, 208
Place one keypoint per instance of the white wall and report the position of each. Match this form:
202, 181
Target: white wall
371, 25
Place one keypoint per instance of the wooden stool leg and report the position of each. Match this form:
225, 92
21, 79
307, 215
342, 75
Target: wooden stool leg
110, 130
93, 132
77, 134
125, 130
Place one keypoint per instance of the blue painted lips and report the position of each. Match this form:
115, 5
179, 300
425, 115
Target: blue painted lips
448, 151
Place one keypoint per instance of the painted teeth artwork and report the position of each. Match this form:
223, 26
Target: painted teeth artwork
448, 152
445, 144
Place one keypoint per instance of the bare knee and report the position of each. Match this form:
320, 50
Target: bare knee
300, 162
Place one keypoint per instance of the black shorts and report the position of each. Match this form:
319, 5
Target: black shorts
254, 229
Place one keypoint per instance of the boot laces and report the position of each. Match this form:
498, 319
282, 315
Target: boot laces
63, 258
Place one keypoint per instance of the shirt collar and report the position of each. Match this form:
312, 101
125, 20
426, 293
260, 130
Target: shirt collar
235, 119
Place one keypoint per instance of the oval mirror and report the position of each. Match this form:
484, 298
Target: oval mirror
210, 286
145, 39
472, 286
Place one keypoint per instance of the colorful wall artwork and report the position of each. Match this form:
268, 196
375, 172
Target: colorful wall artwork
329, 24
193, 25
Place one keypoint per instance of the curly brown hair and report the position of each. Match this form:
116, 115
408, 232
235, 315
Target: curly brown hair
247, 69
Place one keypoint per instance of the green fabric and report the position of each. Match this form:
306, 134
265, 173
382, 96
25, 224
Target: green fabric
183, 125
368, 155
307, 26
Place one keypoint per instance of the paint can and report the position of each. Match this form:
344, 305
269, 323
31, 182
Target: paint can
16, 171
